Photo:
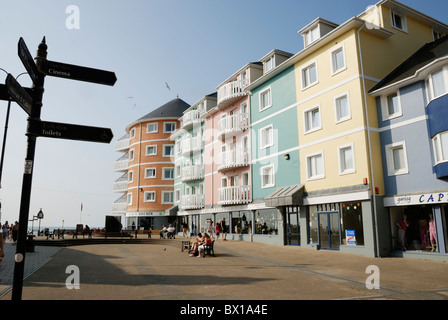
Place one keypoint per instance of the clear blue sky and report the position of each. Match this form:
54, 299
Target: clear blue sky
193, 45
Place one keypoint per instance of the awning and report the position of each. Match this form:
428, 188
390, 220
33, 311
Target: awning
286, 196
172, 211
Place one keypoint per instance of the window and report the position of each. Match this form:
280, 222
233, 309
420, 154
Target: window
342, 108
152, 127
266, 221
151, 150
269, 64
265, 99
399, 21
130, 176
177, 195
346, 159
129, 199
391, 106
440, 144
178, 171
312, 119
167, 197
437, 84
352, 222
168, 150
266, 137
396, 159
338, 60
150, 173
312, 35
131, 154
309, 75
168, 174
169, 127
315, 166
437, 35
132, 133
150, 196
267, 176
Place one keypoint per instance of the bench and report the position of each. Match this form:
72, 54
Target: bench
185, 246
118, 234
209, 249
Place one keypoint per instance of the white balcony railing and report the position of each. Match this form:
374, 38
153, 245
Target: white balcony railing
193, 201
122, 163
233, 123
191, 118
193, 144
194, 172
123, 143
234, 158
234, 195
121, 184
231, 91
120, 205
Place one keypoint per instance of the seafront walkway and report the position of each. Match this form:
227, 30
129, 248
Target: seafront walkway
157, 270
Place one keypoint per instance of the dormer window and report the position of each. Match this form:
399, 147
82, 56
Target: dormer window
399, 21
269, 65
312, 35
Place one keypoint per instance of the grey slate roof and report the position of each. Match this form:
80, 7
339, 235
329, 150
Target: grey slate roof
422, 57
172, 109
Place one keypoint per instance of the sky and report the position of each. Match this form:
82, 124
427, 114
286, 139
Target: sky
193, 45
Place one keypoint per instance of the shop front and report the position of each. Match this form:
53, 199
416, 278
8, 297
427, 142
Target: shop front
418, 225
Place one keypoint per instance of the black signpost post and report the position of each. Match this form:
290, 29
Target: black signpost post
31, 102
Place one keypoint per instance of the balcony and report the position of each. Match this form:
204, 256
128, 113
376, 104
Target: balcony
234, 195
233, 159
122, 163
191, 118
231, 92
233, 123
190, 145
191, 173
120, 205
193, 201
123, 143
121, 184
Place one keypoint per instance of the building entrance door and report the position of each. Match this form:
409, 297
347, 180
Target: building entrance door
329, 230
292, 226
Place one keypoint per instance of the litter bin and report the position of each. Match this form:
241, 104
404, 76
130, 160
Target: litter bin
30, 243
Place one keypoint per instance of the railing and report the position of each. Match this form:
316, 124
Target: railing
194, 172
122, 163
232, 90
121, 184
233, 123
120, 205
123, 143
190, 118
193, 201
192, 144
234, 158
234, 195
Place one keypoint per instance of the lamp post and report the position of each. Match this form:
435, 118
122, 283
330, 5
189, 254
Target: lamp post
40, 216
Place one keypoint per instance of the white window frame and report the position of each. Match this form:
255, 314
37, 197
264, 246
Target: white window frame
177, 195
310, 177
163, 197
271, 138
151, 154
130, 176
430, 85
333, 52
338, 118
166, 169
308, 128
129, 199
169, 122
437, 146
272, 175
132, 133
385, 106
304, 73
390, 158
172, 150
308, 39
342, 167
269, 62
404, 23
145, 196
150, 177
260, 95
155, 130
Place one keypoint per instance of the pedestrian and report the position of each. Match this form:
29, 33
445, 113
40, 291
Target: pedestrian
224, 228
2, 252
5, 229
217, 231
15, 230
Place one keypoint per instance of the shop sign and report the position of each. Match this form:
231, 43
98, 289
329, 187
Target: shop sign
425, 198
350, 237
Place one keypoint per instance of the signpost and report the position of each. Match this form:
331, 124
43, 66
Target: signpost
31, 101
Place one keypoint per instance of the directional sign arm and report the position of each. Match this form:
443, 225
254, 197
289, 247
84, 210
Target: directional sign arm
19, 94
69, 71
27, 60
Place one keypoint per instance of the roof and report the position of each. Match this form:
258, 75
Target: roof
411, 66
172, 109
286, 196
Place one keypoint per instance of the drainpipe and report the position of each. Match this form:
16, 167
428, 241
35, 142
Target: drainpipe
375, 213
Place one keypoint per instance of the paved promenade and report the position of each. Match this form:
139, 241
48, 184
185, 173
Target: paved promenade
240, 271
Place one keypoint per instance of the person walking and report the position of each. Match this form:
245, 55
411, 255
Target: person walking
224, 228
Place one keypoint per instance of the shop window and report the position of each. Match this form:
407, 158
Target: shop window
266, 222
241, 222
352, 226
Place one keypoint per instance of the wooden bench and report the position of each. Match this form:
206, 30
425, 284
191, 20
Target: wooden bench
118, 234
209, 249
185, 246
